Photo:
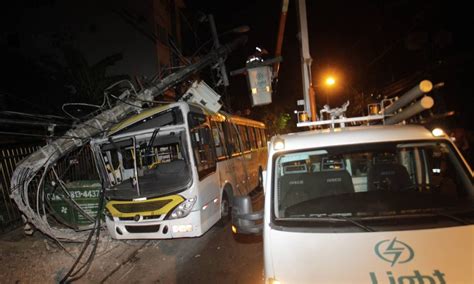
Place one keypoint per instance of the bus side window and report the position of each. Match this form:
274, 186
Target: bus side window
233, 145
253, 142
203, 144
264, 137
258, 137
244, 137
218, 135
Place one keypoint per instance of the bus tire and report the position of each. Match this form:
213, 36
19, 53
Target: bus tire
225, 211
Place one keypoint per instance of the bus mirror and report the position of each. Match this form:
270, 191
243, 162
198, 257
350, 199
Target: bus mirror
244, 220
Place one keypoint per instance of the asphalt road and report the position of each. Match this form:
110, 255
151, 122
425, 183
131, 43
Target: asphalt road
216, 257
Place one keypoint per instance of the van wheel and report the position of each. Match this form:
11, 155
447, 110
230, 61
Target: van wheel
225, 211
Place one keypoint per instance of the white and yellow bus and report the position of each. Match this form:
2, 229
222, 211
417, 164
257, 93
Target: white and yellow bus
173, 171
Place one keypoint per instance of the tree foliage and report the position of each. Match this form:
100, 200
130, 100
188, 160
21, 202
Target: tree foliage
88, 80
277, 120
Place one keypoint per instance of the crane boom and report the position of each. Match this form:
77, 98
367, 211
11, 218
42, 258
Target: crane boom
306, 60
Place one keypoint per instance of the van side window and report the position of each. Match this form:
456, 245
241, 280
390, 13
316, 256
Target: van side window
203, 144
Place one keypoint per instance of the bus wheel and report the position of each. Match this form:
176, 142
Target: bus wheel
225, 211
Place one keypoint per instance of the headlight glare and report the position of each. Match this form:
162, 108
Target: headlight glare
183, 209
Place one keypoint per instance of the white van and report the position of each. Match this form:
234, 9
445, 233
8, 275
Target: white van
368, 204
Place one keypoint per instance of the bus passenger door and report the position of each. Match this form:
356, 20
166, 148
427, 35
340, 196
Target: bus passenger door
205, 157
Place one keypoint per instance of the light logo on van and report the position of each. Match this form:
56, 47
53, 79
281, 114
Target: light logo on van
397, 252
394, 251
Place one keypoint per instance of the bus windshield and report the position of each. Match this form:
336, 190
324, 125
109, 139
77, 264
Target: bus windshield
148, 165
378, 179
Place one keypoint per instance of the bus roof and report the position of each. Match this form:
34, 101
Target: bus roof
185, 106
137, 118
354, 135
246, 121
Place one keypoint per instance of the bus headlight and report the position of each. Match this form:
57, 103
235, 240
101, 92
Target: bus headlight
183, 209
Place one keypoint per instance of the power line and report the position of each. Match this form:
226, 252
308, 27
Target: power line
39, 135
36, 106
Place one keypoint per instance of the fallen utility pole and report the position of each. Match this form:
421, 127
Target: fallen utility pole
38, 164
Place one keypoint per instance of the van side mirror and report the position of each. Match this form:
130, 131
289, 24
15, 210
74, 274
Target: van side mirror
244, 219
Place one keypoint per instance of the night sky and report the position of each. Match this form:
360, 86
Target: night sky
373, 47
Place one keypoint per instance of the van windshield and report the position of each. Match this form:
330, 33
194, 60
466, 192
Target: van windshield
377, 179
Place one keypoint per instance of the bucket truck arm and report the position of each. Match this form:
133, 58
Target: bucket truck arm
306, 60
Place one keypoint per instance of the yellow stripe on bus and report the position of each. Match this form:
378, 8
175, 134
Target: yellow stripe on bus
175, 200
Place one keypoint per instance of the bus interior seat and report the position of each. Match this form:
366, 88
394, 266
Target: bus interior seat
388, 175
174, 167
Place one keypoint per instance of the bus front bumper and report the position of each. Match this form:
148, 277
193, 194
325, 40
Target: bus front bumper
186, 227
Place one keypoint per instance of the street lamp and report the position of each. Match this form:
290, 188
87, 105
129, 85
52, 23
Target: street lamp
329, 82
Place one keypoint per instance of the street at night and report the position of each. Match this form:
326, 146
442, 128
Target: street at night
215, 257
199, 141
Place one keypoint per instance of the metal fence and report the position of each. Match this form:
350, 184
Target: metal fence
9, 158
77, 165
